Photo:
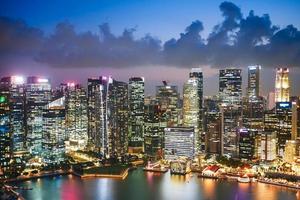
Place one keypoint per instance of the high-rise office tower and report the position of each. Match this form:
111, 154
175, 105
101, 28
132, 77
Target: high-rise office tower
269, 137
76, 117
54, 131
295, 120
136, 113
282, 85
95, 114
5, 133
117, 118
284, 125
213, 136
168, 99
154, 130
246, 143
230, 91
14, 87
38, 95
230, 86
108, 115
191, 109
253, 82
197, 74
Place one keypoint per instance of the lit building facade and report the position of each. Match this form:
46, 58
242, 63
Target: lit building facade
76, 117
14, 87
282, 85
196, 73
284, 125
191, 109
38, 95
290, 152
269, 139
179, 142
230, 92
108, 115
5, 133
168, 99
94, 114
136, 113
117, 118
246, 143
268, 147
230, 86
253, 82
54, 131
154, 130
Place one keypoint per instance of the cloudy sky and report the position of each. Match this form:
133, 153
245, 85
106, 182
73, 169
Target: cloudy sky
157, 39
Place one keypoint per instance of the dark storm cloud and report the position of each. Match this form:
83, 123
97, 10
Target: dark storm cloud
188, 50
66, 48
237, 41
18, 39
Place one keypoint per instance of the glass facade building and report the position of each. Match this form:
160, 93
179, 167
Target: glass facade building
282, 85
136, 110
179, 142
38, 95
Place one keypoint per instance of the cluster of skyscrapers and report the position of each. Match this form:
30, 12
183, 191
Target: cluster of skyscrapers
111, 117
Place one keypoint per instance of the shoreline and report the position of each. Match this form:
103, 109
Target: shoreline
278, 184
124, 175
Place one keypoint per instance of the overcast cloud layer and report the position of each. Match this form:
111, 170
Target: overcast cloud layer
238, 41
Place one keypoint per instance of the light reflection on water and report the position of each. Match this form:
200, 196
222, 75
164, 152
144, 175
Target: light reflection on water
141, 185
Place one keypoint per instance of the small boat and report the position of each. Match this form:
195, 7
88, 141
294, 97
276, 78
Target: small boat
244, 179
253, 180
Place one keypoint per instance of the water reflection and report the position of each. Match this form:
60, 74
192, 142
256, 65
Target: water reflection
142, 185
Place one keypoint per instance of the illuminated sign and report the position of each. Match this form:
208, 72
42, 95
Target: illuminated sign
284, 104
42, 80
2, 99
71, 84
17, 80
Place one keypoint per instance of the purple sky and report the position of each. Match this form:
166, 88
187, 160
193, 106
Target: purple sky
164, 20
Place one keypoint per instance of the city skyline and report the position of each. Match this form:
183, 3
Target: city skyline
21, 57
140, 99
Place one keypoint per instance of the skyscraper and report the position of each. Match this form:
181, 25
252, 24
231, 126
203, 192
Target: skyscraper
93, 89
282, 85
76, 117
191, 109
136, 113
284, 125
154, 130
108, 115
197, 74
38, 95
117, 118
168, 99
253, 82
230, 86
269, 136
54, 131
230, 91
5, 133
14, 87
246, 143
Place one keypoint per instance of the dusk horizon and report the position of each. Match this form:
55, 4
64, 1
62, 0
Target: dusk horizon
72, 45
149, 100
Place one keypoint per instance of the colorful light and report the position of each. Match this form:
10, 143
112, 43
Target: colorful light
17, 80
42, 80
2, 99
